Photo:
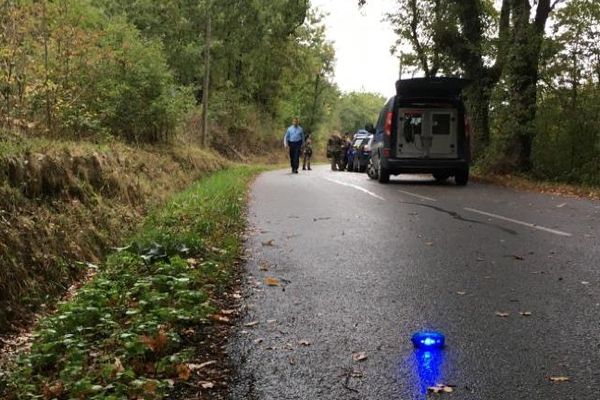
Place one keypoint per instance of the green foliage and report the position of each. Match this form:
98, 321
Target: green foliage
567, 143
537, 90
417, 23
136, 95
73, 71
135, 69
309, 93
354, 110
123, 335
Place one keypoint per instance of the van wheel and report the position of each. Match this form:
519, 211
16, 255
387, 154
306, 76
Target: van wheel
383, 175
462, 177
371, 171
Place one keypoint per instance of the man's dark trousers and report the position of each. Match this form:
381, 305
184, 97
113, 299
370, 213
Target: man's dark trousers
295, 150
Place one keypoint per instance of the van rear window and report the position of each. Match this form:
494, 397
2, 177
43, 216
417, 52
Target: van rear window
413, 124
440, 124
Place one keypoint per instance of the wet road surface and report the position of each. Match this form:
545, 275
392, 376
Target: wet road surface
361, 266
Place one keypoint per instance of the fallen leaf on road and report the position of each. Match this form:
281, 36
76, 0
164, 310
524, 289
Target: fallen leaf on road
271, 321
520, 258
269, 281
258, 341
429, 243
196, 367
440, 388
251, 324
525, 313
236, 296
359, 356
561, 205
220, 318
304, 342
502, 314
461, 293
292, 360
560, 379
183, 372
227, 312
207, 385
356, 374
264, 266
270, 243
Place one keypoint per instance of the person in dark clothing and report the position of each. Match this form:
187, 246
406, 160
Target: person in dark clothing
307, 152
294, 140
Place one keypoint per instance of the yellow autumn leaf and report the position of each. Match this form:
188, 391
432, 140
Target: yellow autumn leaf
269, 281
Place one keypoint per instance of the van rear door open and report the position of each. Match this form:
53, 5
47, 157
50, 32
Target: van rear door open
427, 133
423, 129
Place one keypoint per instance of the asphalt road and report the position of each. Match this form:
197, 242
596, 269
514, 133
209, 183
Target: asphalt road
361, 266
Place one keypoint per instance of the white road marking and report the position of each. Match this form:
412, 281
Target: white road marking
417, 196
514, 221
355, 187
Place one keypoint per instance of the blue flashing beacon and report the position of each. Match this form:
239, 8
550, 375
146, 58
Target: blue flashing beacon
428, 340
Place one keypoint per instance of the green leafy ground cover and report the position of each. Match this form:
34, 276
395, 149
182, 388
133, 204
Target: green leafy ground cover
122, 335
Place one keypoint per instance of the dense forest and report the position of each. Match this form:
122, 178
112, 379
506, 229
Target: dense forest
535, 67
135, 70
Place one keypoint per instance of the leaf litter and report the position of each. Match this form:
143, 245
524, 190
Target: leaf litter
559, 379
441, 389
270, 281
359, 356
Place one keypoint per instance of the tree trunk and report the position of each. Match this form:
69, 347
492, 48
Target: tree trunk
478, 105
205, 127
522, 76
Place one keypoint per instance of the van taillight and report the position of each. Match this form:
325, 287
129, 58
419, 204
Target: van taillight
386, 152
388, 123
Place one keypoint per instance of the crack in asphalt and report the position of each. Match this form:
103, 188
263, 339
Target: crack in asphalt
459, 217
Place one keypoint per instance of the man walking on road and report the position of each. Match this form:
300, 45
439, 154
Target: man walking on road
294, 139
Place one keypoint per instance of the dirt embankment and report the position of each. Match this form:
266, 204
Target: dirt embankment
62, 205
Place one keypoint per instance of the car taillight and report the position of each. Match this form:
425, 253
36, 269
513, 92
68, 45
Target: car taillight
388, 123
386, 152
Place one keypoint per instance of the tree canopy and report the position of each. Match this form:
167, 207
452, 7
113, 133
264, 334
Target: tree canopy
535, 84
73, 68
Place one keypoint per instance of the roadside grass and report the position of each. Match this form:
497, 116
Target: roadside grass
64, 203
123, 334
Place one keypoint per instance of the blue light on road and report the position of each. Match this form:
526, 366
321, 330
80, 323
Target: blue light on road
428, 364
428, 340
